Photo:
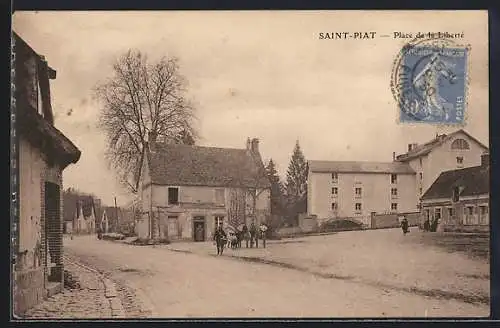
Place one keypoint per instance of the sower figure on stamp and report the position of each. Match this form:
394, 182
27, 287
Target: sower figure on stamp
220, 238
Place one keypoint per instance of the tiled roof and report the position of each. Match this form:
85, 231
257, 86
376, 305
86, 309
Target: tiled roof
360, 167
474, 181
111, 212
184, 165
427, 147
71, 208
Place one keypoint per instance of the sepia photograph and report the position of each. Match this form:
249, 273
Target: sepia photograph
250, 164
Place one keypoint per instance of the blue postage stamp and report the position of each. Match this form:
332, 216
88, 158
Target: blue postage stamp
433, 84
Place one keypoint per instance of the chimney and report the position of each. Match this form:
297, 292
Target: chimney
410, 147
249, 144
152, 140
485, 160
393, 156
254, 145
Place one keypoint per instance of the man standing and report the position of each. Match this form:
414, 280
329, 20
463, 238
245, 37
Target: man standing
253, 236
263, 232
220, 238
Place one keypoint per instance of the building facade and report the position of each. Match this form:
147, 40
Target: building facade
189, 190
445, 152
459, 199
43, 152
357, 189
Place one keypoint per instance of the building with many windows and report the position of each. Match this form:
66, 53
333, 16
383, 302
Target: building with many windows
445, 152
356, 189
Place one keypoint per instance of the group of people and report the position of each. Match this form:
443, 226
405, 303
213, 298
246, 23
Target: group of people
250, 235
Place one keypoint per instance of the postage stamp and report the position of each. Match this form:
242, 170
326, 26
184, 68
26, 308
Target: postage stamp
430, 82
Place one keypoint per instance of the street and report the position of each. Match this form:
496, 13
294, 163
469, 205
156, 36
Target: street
194, 283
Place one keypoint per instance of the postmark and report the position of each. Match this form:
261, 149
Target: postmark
429, 82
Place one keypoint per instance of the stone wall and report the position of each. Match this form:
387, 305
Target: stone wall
30, 289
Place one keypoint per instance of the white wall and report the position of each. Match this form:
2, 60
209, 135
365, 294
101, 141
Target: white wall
375, 197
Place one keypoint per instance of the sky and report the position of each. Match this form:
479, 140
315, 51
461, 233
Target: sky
263, 74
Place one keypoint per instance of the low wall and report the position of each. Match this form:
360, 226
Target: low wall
384, 221
289, 231
29, 289
308, 223
466, 228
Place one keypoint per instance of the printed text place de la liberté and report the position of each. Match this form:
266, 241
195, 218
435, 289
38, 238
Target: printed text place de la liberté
395, 35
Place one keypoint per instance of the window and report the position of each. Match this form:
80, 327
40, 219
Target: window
460, 144
173, 196
334, 206
219, 221
394, 178
335, 177
437, 214
420, 159
358, 191
460, 160
394, 206
394, 192
219, 196
335, 191
483, 218
420, 190
450, 212
421, 175
470, 210
358, 207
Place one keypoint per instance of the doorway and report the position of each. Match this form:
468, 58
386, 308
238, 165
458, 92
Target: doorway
199, 228
53, 232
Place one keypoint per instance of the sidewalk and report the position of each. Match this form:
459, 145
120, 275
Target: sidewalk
91, 301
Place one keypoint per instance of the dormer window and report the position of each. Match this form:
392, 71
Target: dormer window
460, 144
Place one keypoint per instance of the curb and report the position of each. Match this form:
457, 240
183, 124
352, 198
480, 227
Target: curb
115, 303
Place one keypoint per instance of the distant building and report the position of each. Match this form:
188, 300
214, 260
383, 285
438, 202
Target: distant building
459, 199
85, 219
356, 189
445, 152
189, 190
42, 152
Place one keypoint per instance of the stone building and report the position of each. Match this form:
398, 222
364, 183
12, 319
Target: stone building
459, 199
42, 153
189, 190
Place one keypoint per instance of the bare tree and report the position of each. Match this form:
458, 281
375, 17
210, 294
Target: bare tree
142, 97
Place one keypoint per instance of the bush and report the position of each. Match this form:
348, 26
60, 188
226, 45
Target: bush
113, 236
340, 225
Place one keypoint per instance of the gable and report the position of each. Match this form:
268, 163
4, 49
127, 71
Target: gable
458, 140
438, 141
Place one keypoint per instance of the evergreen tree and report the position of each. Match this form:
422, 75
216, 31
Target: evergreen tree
276, 189
296, 185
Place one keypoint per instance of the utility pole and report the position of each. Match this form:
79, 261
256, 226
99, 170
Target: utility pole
116, 212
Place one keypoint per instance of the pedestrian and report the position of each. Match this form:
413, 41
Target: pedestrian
220, 239
244, 232
404, 225
253, 235
427, 225
263, 232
